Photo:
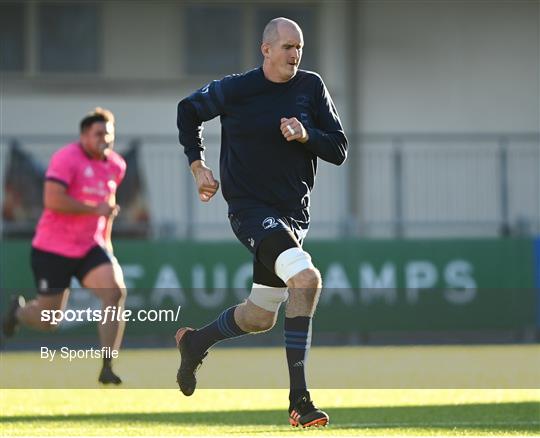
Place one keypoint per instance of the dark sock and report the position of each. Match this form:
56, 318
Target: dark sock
107, 362
224, 327
297, 344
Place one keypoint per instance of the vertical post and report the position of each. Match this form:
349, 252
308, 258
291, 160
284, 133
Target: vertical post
503, 186
31, 38
352, 196
398, 186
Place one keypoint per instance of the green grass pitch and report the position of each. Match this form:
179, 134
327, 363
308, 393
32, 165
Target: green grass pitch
122, 412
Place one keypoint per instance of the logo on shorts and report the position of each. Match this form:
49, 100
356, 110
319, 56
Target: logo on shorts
251, 241
269, 222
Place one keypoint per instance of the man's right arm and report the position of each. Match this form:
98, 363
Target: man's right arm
201, 106
56, 198
207, 185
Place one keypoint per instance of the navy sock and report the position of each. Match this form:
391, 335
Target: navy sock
297, 344
224, 327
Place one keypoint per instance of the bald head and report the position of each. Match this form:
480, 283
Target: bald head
273, 28
282, 47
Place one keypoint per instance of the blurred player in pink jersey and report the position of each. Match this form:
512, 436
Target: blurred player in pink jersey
73, 236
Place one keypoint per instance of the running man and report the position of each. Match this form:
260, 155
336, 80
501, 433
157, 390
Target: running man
73, 235
276, 122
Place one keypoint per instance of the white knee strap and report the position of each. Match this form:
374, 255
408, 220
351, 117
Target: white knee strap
269, 298
291, 262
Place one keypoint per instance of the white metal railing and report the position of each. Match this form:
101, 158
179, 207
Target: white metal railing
432, 185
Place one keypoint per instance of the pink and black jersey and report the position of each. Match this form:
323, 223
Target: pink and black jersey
87, 180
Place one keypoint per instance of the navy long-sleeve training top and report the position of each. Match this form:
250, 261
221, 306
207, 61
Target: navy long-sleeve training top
257, 165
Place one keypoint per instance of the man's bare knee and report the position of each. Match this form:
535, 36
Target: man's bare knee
114, 296
307, 279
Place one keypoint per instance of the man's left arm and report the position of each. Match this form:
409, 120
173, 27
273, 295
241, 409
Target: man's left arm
107, 232
327, 140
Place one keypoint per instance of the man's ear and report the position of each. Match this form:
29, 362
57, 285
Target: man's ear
265, 49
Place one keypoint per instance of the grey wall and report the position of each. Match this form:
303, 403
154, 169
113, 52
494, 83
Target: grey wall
450, 66
420, 66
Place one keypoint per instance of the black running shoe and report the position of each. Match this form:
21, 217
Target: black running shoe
10, 318
189, 363
107, 376
304, 413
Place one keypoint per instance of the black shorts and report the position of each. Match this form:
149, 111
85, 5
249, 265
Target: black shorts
280, 230
53, 272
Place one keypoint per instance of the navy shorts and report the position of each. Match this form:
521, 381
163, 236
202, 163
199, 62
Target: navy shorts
252, 226
53, 272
